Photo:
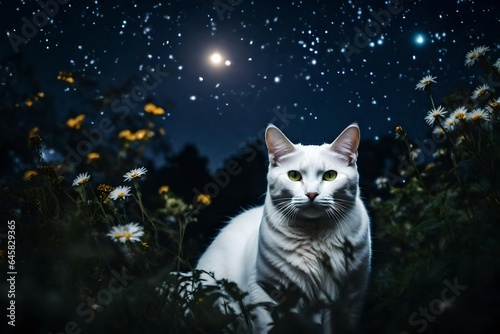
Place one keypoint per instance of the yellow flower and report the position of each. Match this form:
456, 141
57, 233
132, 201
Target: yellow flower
139, 135
163, 190
28, 102
204, 199
153, 109
76, 123
33, 131
28, 175
41, 95
104, 189
144, 134
34, 140
92, 156
126, 134
430, 166
400, 131
66, 76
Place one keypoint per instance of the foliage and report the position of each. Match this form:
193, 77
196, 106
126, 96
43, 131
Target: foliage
441, 222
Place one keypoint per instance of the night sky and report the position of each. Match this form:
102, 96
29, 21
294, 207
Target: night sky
276, 58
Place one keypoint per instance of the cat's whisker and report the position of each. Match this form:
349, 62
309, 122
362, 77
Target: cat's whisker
283, 212
340, 214
338, 219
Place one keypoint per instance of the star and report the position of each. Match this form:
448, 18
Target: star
419, 39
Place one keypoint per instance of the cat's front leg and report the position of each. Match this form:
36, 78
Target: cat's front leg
346, 314
262, 321
327, 322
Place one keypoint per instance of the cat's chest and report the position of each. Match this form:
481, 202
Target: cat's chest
313, 257
316, 256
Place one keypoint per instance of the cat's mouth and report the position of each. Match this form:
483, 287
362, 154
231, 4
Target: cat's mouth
306, 203
311, 210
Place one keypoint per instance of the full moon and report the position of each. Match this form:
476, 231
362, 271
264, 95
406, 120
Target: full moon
216, 58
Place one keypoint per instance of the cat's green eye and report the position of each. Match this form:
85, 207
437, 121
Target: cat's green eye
294, 175
329, 175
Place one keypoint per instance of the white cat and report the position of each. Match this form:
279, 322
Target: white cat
313, 232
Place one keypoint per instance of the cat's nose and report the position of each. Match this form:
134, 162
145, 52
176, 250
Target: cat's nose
312, 195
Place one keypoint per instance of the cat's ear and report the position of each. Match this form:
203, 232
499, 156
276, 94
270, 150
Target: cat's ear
277, 144
347, 143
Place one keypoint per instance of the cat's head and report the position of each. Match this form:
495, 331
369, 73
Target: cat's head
311, 182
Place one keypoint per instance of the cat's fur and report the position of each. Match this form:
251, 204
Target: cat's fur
313, 234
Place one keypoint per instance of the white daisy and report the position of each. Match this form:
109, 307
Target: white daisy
438, 131
439, 152
81, 179
472, 56
120, 192
494, 104
133, 232
425, 81
450, 123
497, 64
382, 182
415, 154
134, 173
478, 114
480, 91
460, 114
434, 114
117, 233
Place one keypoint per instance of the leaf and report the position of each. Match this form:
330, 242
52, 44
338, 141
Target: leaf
426, 225
408, 275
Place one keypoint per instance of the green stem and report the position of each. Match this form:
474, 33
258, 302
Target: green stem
124, 212
408, 148
98, 201
139, 199
432, 100
181, 238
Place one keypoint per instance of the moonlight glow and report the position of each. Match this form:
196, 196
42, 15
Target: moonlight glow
419, 39
216, 58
